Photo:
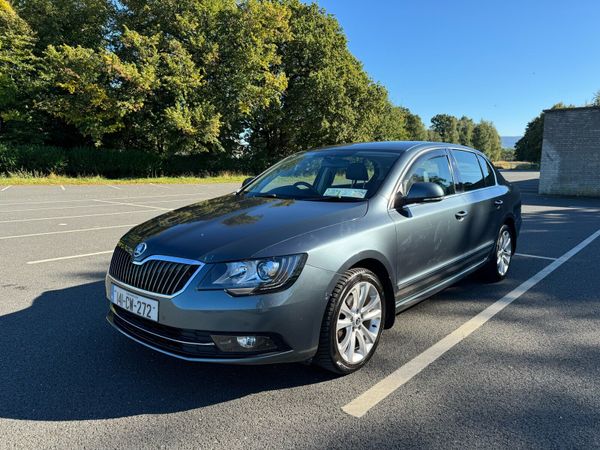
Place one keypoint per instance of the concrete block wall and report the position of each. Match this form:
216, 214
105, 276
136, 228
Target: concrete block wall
571, 152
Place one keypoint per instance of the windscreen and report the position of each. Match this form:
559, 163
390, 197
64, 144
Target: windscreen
325, 176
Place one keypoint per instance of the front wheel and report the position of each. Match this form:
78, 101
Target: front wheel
497, 266
353, 322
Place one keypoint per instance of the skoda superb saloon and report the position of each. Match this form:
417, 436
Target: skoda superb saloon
313, 259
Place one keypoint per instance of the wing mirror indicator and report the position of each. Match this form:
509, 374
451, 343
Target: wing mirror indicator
420, 192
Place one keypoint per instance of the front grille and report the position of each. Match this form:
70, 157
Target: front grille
156, 275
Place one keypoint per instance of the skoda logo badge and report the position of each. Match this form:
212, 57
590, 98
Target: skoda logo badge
139, 249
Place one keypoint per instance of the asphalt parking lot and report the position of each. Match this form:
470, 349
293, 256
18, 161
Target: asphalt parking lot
525, 378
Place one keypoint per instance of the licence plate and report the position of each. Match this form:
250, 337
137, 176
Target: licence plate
136, 304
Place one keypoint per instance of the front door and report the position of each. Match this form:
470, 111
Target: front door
431, 237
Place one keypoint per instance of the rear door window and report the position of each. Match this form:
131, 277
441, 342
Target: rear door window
470, 176
488, 174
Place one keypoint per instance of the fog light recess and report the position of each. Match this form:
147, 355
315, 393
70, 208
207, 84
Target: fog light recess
245, 343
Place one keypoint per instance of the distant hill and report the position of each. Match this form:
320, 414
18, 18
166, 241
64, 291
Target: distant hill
509, 141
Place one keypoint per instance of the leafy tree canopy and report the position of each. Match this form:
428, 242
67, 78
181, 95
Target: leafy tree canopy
257, 78
18, 67
466, 126
69, 22
487, 140
414, 127
446, 127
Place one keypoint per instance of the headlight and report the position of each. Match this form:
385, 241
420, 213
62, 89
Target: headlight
254, 276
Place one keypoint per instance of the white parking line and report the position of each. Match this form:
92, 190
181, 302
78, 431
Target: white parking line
36, 219
527, 255
80, 230
159, 186
62, 187
5, 188
114, 187
363, 403
61, 258
108, 205
87, 200
158, 208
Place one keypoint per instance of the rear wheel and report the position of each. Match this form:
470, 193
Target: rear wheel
498, 264
353, 322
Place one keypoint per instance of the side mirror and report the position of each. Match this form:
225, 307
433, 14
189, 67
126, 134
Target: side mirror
247, 181
420, 192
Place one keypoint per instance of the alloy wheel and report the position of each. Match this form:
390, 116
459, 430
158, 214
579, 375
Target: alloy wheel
359, 322
503, 252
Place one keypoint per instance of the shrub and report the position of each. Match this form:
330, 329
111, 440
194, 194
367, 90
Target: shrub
85, 161
110, 163
9, 159
31, 158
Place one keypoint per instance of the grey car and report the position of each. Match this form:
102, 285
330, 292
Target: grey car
313, 259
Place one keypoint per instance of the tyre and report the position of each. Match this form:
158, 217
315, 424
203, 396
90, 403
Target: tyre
498, 264
352, 323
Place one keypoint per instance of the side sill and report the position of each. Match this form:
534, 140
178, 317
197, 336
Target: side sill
405, 303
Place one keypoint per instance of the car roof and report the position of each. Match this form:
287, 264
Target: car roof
391, 146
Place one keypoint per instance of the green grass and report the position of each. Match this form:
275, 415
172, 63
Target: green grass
516, 165
18, 180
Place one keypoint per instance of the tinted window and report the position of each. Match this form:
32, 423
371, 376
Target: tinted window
488, 175
469, 176
431, 169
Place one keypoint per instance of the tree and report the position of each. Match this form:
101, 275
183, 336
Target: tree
253, 78
507, 154
155, 101
91, 90
68, 22
234, 45
487, 140
529, 147
187, 79
596, 101
465, 131
329, 98
414, 127
18, 68
434, 136
392, 124
175, 115
446, 127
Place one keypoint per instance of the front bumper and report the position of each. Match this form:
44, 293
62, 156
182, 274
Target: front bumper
291, 319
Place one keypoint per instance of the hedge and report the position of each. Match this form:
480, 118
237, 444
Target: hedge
86, 161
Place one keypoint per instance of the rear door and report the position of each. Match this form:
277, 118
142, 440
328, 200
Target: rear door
476, 186
496, 195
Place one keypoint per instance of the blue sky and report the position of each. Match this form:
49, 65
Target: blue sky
503, 61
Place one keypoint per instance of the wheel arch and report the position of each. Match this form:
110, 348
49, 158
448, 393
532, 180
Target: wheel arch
509, 221
380, 266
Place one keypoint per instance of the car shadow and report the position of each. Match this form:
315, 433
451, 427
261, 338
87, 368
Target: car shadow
61, 360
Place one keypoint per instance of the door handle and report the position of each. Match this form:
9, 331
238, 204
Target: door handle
498, 203
461, 215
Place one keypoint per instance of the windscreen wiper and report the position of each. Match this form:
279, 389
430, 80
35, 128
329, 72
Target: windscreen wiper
332, 198
266, 195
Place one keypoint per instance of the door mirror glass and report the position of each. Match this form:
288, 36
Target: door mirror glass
420, 192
